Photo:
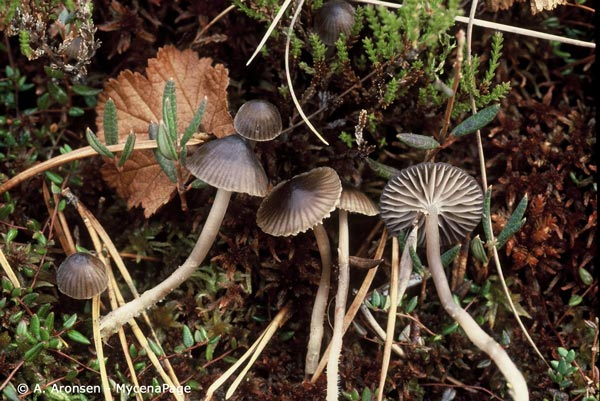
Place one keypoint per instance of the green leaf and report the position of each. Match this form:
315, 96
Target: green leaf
70, 321
478, 250
55, 178
417, 264
449, 256
10, 393
418, 141
75, 112
34, 326
585, 276
514, 223
188, 338
486, 220
194, 124
169, 107
33, 351
78, 337
129, 145
575, 300
382, 170
165, 143
154, 347
98, 146
476, 121
167, 166
58, 93
109, 121
84, 90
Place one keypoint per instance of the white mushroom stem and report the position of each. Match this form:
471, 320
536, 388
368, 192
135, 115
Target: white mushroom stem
318, 313
340, 307
117, 318
517, 384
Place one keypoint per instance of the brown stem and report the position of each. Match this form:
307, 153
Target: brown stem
320, 305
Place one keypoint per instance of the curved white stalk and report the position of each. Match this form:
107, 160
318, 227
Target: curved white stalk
117, 318
340, 307
318, 313
514, 377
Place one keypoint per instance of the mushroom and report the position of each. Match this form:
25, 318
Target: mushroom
228, 164
258, 120
444, 199
295, 206
81, 276
351, 201
332, 19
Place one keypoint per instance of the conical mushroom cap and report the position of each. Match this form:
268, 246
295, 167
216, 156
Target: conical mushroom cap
258, 120
301, 203
229, 163
433, 188
81, 276
355, 201
334, 18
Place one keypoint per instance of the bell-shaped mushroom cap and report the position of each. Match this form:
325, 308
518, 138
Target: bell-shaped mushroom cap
301, 203
229, 163
258, 120
428, 188
81, 276
355, 201
335, 17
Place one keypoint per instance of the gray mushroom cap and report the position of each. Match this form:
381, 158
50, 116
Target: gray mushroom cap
355, 201
258, 120
428, 188
299, 204
81, 276
334, 18
229, 163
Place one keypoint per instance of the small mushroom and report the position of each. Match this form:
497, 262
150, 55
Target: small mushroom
334, 18
295, 206
258, 120
229, 164
81, 276
351, 201
444, 199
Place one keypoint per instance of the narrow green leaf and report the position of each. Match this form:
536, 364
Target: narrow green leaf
165, 143
487, 227
417, 264
476, 121
10, 393
188, 338
58, 93
34, 326
449, 256
109, 120
70, 321
129, 145
55, 178
78, 337
514, 223
585, 276
575, 300
98, 146
167, 166
75, 112
169, 107
194, 124
418, 141
382, 170
84, 90
154, 347
33, 352
478, 250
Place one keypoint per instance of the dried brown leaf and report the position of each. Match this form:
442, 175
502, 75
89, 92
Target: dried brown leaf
138, 100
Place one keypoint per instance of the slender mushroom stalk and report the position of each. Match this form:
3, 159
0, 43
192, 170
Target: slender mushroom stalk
352, 200
229, 165
295, 206
444, 198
